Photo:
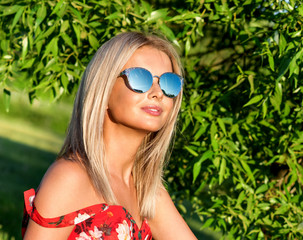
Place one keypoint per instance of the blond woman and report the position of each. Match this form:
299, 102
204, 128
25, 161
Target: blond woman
107, 180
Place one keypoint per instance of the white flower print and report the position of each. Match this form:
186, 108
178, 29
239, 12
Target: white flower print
83, 236
81, 218
96, 234
31, 200
123, 231
93, 235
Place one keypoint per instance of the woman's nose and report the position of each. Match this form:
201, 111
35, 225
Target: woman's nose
155, 91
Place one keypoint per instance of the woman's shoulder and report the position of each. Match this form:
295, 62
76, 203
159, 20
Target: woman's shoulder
65, 188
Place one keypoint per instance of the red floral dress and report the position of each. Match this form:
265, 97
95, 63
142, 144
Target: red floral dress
97, 222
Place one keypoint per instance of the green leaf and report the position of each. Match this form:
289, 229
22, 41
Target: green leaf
222, 170
43, 35
262, 188
296, 34
28, 63
69, 41
222, 125
207, 155
93, 41
169, 34
213, 132
241, 198
267, 124
293, 64
41, 14
271, 61
77, 15
197, 166
201, 131
64, 26
58, 7
240, 80
77, 32
270, 57
264, 206
254, 100
282, 44
187, 46
250, 202
157, 14
16, 18
264, 108
10, 10
24, 47
251, 83
51, 47
39, 46
196, 170
248, 171
283, 68
146, 6
113, 16
282, 210
208, 223
276, 99
191, 151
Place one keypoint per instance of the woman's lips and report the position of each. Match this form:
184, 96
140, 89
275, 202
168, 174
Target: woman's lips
152, 110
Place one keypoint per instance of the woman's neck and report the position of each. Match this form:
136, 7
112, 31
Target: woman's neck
121, 145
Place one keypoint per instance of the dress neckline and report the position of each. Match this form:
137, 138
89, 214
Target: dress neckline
95, 220
94, 209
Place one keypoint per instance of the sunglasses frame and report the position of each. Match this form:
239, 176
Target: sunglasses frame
127, 71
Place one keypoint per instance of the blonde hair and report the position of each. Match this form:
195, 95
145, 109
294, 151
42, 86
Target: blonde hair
84, 140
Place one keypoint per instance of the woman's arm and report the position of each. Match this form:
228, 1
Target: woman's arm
168, 224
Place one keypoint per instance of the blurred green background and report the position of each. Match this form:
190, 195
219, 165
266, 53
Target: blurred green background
30, 137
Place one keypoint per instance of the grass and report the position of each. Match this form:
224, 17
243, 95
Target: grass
30, 137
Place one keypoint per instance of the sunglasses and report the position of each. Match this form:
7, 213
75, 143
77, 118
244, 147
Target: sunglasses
140, 80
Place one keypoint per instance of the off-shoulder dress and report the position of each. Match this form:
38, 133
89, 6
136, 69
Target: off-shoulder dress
97, 222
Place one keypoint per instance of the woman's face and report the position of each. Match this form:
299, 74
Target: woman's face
147, 111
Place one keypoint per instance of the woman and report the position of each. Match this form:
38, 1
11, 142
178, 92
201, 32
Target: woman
107, 180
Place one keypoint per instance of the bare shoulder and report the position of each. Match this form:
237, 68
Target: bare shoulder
168, 223
65, 188
64, 182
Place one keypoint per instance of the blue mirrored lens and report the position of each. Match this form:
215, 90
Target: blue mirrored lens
140, 80
170, 84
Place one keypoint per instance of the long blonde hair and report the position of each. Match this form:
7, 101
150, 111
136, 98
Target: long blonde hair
84, 140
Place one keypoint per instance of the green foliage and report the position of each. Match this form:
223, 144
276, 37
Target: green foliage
239, 153
239, 148
46, 45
